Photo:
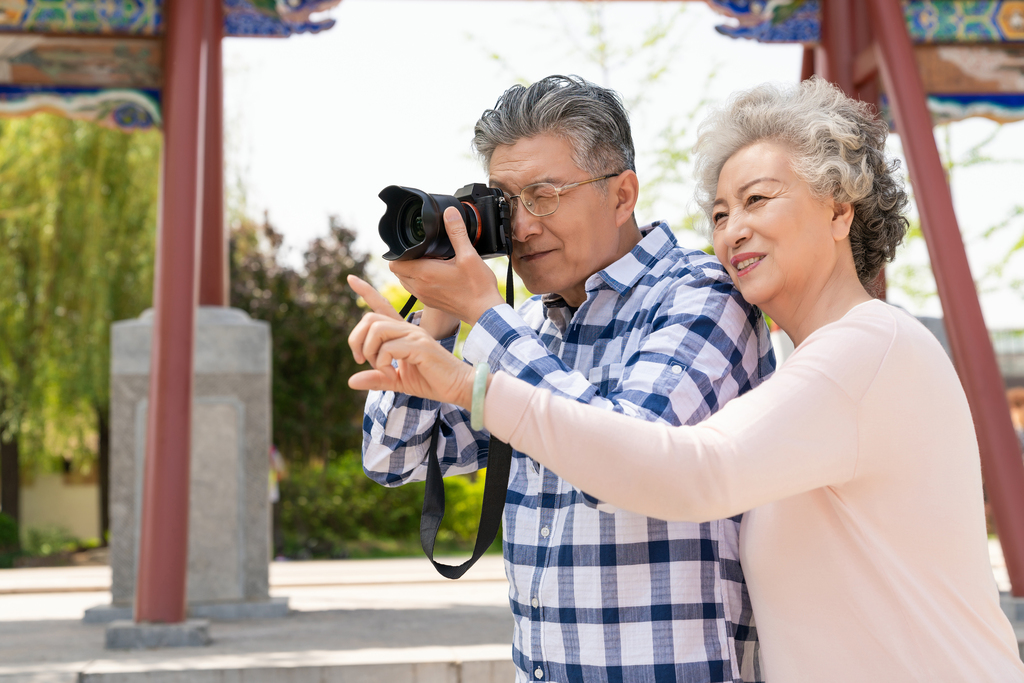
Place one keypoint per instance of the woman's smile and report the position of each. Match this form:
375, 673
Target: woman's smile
744, 263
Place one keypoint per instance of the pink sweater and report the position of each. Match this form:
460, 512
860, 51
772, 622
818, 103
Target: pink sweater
864, 546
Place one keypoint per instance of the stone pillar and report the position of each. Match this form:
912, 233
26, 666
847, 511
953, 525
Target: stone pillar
229, 515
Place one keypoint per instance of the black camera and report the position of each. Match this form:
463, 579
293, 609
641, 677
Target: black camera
413, 225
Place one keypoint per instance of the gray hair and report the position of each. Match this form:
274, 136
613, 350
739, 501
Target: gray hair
837, 146
591, 118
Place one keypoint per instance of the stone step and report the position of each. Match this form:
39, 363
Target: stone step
464, 664
282, 574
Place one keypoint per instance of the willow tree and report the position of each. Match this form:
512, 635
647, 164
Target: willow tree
77, 238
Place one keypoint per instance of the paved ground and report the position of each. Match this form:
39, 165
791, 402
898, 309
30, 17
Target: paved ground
373, 620
345, 612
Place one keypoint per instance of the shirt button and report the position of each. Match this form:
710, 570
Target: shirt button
545, 532
535, 602
676, 369
539, 673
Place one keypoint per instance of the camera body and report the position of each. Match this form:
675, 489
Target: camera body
413, 224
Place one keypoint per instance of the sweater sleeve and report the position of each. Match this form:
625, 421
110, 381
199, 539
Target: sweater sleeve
794, 433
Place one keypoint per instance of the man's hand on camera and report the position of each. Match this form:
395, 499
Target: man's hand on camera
463, 287
424, 368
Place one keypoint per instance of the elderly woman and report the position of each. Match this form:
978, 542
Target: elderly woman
864, 546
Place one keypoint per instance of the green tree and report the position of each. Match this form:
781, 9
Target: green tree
29, 172
77, 229
108, 203
315, 415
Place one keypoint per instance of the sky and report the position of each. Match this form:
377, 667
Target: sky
318, 124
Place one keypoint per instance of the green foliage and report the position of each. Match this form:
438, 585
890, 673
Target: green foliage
327, 510
311, 314
9, 541
49, 540
8, 534
77, 240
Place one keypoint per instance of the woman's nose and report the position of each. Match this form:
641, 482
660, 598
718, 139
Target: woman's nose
736, 231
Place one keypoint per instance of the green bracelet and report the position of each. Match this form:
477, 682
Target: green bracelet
476, 415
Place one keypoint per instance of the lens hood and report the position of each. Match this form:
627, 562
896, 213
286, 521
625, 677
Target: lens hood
412, 225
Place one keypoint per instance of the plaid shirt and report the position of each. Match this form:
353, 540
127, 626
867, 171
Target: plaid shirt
597, 593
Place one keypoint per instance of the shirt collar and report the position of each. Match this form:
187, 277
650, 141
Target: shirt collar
656, 241
622, 275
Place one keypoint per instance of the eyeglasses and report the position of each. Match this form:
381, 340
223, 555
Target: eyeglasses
541, 199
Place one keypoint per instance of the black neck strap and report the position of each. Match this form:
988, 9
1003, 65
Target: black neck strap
499, 464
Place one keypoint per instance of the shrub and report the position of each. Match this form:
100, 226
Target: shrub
8, 533
9, 541
326, 509
49, 540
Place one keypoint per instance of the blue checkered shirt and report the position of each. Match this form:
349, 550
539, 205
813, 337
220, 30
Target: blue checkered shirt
598, 593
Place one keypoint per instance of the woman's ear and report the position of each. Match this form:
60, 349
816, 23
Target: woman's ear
842, 219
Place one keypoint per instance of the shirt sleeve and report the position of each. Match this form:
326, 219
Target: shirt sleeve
794, 433
397, 430
699, 349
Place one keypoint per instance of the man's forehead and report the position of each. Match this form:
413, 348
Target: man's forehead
543, 159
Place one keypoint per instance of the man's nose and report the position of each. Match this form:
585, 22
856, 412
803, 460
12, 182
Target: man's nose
524, 224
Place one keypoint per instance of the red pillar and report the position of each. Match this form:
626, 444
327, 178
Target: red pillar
807, 65
837, 44
163, 541
965, 326
213, 271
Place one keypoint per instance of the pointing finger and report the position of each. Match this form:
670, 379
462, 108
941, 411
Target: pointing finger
374, 299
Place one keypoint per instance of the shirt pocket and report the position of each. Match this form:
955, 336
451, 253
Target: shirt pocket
606, 377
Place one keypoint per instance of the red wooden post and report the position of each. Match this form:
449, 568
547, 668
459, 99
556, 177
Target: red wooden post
807, 65
213, 271
836, 49
965, 326
163, 542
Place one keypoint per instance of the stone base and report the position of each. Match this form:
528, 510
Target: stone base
128, 635
1014, 609
105, 614
272, 608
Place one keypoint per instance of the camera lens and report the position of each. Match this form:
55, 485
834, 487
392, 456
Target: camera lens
410, 224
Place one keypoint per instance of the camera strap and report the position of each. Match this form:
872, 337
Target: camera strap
499, 464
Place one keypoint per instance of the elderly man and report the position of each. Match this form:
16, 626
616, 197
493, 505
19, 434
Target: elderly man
627, 320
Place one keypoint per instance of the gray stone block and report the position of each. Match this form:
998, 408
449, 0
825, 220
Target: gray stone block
274, 608
1012, 607
128, 635
1014, 610
229, 511
104, 614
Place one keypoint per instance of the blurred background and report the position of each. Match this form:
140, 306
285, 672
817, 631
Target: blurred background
313, 134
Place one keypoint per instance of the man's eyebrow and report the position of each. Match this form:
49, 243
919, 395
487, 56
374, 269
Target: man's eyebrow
505, 188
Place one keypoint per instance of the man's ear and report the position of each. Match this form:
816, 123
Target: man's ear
842, 219
623, 190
